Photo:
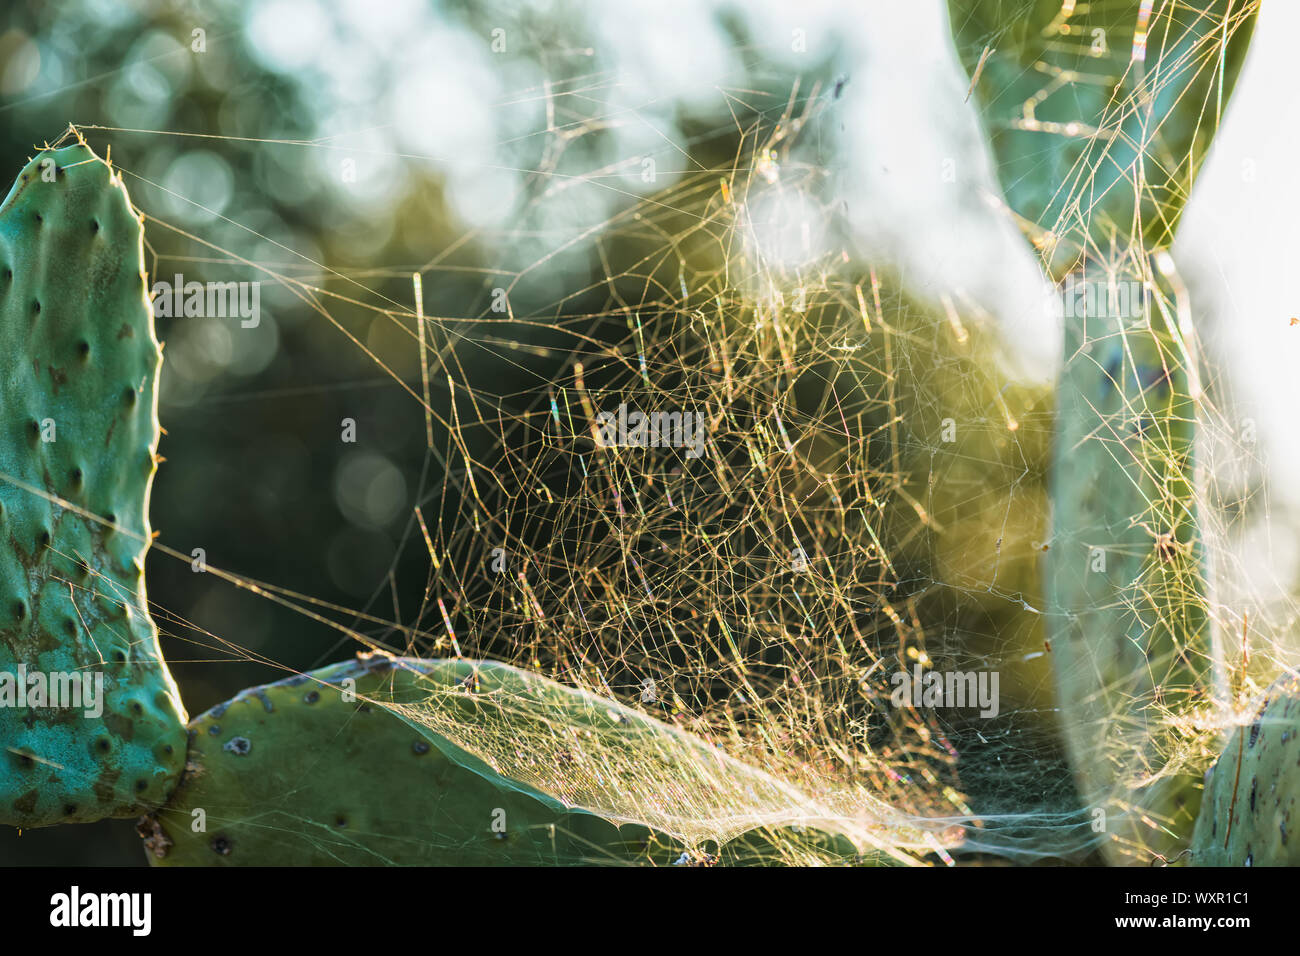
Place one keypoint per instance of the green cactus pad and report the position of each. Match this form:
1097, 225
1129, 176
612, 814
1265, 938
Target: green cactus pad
301, 772
297, 773
1098, 117
1251, 808
79, 363
1124, 579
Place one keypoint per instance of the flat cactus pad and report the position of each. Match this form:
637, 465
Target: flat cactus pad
78, 434
321, 769
355, 764
1248, 814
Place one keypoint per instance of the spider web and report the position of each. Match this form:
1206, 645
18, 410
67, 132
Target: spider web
871, 497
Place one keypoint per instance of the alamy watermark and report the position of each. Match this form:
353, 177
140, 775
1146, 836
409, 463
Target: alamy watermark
1103, 298
208, 300
74, 909
656, 430
78, 690
947, 689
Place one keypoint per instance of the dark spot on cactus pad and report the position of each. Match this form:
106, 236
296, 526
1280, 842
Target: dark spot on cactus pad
239, 746
69, 809
141, 786
221, 845
311, 696
214, 730
156, 841
340, 821
421, 747
1254, 787
1254, 733
94, 225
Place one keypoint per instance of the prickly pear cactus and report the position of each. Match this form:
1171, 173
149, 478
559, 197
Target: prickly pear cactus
1099, 116
78, 376
1125, 577
333, 768
1249, 814
315, 770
